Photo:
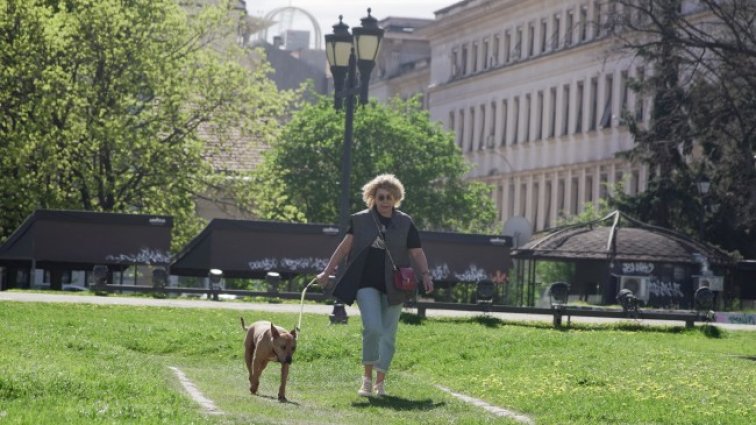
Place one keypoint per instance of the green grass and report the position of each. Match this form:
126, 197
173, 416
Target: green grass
89, 364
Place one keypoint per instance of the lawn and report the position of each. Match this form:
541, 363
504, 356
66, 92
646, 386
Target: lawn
89, 364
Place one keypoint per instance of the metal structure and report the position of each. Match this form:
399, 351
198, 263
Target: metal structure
287, 14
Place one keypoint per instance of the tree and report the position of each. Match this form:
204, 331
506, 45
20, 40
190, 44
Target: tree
703, 121
299, 176
108, 105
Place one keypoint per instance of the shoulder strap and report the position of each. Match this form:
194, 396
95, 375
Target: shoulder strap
388, 251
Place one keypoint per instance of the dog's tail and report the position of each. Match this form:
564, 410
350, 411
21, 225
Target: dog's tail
242, 323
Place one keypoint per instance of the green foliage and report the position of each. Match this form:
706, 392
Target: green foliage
590, 211
108, 105
703, 119
299, 179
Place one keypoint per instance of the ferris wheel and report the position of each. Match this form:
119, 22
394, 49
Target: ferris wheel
283, 18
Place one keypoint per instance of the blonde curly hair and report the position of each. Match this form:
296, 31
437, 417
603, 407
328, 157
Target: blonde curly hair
388, 182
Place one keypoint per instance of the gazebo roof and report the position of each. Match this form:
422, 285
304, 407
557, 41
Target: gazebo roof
610, 238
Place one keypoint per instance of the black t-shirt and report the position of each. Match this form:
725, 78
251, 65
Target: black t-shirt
375, 256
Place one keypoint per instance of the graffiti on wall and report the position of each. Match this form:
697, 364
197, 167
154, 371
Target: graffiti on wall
300, 264
637, 268
145, 256
664, 289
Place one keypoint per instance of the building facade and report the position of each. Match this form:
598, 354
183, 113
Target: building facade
535, 91
402, 67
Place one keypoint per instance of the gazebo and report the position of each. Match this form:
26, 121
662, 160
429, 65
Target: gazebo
661, 267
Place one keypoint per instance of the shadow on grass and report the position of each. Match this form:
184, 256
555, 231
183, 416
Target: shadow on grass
275, 399
411, 319
710, 331
398, 403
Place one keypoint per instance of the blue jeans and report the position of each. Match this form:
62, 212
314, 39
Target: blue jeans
380, 321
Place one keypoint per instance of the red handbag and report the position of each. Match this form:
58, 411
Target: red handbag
404, 278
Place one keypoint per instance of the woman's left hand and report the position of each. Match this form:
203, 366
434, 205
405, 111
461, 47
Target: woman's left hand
428, 284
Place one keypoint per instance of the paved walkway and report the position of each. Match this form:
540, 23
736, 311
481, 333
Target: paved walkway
113, 299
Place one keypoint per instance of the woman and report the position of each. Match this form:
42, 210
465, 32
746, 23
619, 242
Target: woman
367, 274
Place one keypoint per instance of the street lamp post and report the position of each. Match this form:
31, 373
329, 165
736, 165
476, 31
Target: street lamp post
347, 53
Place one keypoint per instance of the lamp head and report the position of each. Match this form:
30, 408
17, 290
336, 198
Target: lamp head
485, 291
338, 45
559, 292
367, 39
215, 276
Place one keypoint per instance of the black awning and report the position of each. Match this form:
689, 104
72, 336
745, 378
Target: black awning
458, 257
82, 239
247, 248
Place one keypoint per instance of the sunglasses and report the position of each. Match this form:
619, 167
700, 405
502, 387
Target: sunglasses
383, 197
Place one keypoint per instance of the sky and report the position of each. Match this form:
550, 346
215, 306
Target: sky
327, 12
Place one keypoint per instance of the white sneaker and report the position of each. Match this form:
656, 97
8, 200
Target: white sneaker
379, 390
366, 390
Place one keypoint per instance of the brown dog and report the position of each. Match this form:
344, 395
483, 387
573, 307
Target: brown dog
266, 342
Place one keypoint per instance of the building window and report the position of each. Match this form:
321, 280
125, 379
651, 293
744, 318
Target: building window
574, 196
492, 128
451, 121
635, 183
603, 189
534, 201
561, 196
597, 27
547, 205
482, 130
471, 144
588, 188
511, 197
624, 93
516, 55
461, 132
552, 112
528, 108
485, 54
606, 117
583, 23
544, 37
594, 104
555, 37
531, 40
474, 53
523, 199
516, 120
464, 60
454, 63
569, 28
619, 178
504, 122
507, 47
499, 201
566, 110
579, 107
639, 113
539, 116
495, 51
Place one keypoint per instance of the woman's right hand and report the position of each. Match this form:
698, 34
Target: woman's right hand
323, 278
